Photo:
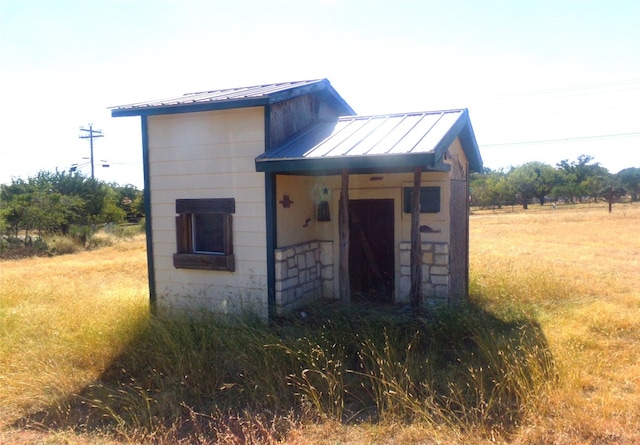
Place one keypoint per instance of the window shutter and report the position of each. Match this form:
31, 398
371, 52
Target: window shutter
228, 241
183, 233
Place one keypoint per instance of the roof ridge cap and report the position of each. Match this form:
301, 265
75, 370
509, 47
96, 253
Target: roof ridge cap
240, 88
408, 113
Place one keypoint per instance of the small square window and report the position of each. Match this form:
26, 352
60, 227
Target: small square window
429, 199
208, 233
204, 234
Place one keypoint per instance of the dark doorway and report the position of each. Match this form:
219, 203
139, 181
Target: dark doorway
371, 258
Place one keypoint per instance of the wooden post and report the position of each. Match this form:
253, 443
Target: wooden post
416, 242
344, 280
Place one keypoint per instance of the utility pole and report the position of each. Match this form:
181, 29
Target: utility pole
91, 134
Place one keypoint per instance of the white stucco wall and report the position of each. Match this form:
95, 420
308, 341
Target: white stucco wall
297, 223
457, 160
209, 155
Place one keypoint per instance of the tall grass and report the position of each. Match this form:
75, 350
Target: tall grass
576, 273
351, 366
62, 320
184, 376
545, 351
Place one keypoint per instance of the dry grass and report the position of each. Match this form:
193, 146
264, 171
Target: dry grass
65, 320
578, 272
90, 301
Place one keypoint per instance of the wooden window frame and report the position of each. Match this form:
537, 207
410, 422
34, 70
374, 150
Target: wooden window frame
428, 202
186, 257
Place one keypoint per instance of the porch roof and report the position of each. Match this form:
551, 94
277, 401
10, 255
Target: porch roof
375, 143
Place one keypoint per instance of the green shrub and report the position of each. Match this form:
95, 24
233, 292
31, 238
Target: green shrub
16, 247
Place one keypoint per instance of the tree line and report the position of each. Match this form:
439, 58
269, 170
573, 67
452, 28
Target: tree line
569, 181
62, 202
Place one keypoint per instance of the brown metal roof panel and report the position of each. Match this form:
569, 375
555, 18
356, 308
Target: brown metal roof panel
221, 95
253, 91
214, 95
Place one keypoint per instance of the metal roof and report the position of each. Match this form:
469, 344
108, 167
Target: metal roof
385, 141
229, 98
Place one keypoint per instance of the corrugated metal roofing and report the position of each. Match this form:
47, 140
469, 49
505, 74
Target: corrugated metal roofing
395, 139
385, 135
229, 94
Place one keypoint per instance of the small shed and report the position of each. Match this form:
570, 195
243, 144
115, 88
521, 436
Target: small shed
265, 199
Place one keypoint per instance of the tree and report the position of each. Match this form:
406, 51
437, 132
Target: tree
581, 179
14, 211
131, 200
577, 168
532, 180
54, 201
490, 189
13, 204
93, 192
36, 205
629, 178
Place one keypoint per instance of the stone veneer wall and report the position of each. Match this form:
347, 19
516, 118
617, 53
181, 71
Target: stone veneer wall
304, 273
435, 270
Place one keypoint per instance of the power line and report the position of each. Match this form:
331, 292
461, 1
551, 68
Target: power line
581, 87
126, 163
553, 141
561, 92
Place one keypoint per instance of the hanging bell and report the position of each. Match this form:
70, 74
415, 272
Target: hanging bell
323, 211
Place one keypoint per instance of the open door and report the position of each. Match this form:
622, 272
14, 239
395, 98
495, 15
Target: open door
371, 252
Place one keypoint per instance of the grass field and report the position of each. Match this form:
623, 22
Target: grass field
548, 351
578, 273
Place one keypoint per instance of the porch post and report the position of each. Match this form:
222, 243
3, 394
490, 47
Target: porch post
272, 241
416, 242
147, 212
343, 278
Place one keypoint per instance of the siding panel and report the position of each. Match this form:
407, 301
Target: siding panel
206, 151
213, 181
205, 166
209, 155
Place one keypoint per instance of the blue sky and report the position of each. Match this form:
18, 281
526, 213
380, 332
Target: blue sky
543, 80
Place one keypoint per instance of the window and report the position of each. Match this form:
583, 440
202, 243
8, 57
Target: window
429, 199
208, 233
204, 234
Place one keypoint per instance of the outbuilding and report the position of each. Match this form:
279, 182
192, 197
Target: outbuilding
265, 199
